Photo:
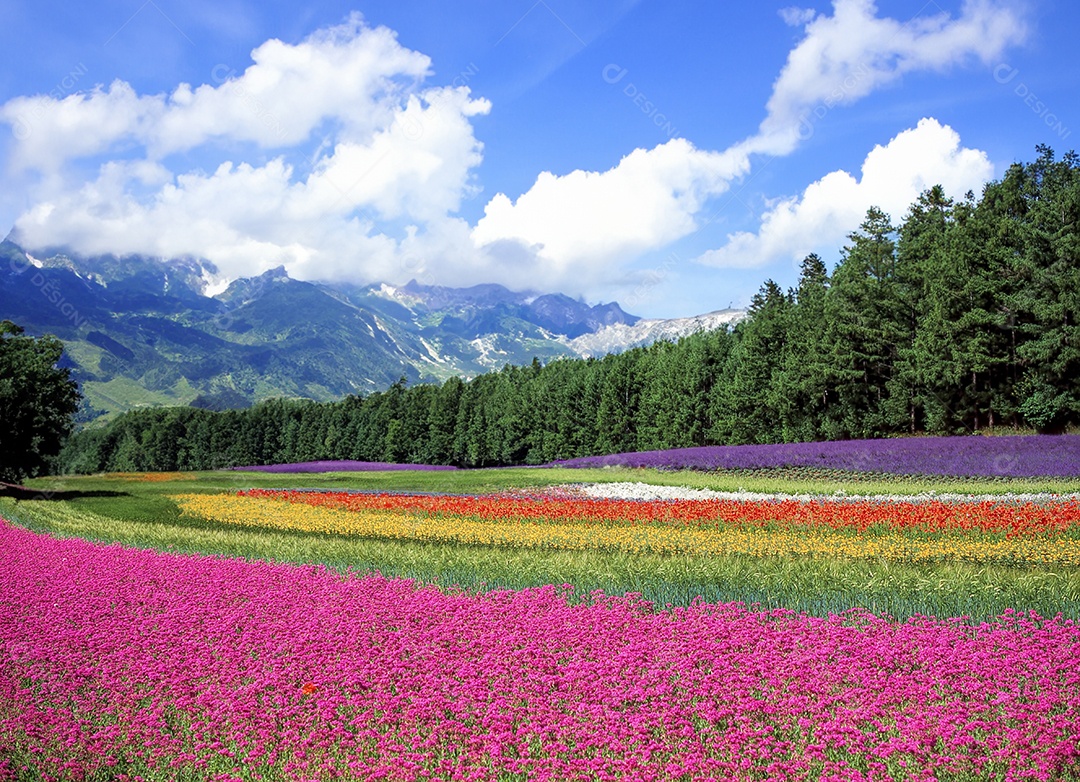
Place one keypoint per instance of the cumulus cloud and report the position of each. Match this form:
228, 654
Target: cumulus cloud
415, 167
248, 218
892, 178
396, 151
590, 218
349, 74
846, 56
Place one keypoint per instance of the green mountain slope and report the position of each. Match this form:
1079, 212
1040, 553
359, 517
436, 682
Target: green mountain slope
141, 331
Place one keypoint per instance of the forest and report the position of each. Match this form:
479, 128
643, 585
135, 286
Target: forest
962, 317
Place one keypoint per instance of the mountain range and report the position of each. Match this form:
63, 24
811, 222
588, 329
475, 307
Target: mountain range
145, 331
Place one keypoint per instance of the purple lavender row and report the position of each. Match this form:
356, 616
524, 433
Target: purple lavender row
341, 466
985, 457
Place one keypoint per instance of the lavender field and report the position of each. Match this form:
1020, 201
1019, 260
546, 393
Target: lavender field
988, 457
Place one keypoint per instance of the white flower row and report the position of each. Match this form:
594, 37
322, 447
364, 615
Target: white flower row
645, 491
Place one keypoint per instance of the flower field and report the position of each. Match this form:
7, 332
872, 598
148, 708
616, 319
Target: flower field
512, 625
1028, 534
124, 663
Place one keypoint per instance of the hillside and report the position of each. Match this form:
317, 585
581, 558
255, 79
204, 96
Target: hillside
144, 331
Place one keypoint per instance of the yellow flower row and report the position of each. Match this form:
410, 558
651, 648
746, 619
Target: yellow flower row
283, 515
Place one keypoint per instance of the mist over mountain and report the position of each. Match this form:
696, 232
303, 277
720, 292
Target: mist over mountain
144, 331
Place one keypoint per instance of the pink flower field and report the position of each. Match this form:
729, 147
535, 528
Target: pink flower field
121, 663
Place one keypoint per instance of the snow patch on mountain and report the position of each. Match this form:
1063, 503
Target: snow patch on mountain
212, 285
435, 357
392, 293
488, 353
619, 336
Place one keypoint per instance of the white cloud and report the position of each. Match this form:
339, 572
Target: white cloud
893, 176
48, 131
395, 158
578, 226
350, 74
846, 56
249, 218
416, 167
394, 153
797, 17
587, 218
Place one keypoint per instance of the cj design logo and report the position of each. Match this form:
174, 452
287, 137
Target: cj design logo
22, 127
845, 91
47, 287
1007, 74
223, 74
614, 73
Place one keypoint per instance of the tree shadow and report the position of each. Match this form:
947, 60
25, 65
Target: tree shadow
17, 492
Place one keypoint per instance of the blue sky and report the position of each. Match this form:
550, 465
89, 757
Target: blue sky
667, 155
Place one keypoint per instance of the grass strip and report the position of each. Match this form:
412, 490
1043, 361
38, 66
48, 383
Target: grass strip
493, 480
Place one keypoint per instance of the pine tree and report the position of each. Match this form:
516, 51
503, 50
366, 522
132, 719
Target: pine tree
862, 332
803, 390
922, 263
1048, 304
748, 407
620, 391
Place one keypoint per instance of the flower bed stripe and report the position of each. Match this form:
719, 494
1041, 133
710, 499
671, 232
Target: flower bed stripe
1026, 456
291, 512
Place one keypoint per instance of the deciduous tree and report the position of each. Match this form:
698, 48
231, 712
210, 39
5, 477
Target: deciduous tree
38, 400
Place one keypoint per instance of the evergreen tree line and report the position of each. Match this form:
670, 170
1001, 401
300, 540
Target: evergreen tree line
964, 316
